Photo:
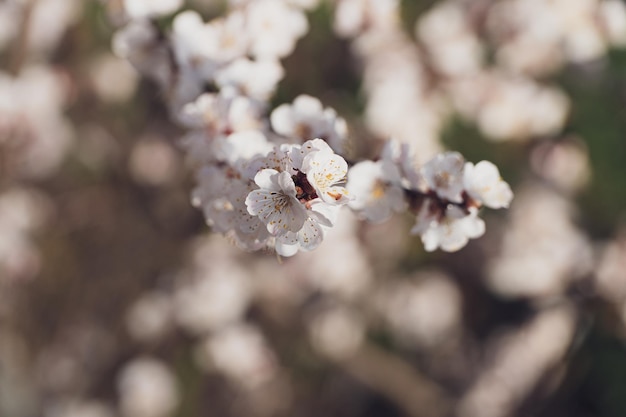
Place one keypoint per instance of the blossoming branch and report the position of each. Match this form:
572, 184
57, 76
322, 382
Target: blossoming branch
277, 178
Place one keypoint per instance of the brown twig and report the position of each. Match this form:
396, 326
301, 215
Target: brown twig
19, 52
398, 381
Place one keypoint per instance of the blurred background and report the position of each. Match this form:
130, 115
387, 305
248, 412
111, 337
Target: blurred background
117, 300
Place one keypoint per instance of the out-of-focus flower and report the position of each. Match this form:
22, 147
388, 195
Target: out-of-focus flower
355, 16
150, 317
400, 101
520, 109
306, 119
537, 37
564, 163
48, 22
114, 80
139, 9
147, 388
216, 297
613, 19
10, 14
542, 251
255, 79
22, 211
153, 162
80, 408
453, 47
273, 27
337, 332
139, 43
339, 266
517, 364
33, 129
610, 272
425, 310
241, 353
222, 114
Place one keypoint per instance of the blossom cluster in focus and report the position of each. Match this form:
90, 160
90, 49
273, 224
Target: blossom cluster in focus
277, 178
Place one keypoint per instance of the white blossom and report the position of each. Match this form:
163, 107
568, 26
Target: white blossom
195, 45
255, 79
376, 192
452, 231
307, 119
138, 9
484, 184
273, 28
241, 353
275, 203
324, 170
139, 43
321, 216
279, 181
444, 175
147, 389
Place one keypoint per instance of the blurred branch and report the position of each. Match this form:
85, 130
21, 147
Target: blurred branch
20, 46
399, 381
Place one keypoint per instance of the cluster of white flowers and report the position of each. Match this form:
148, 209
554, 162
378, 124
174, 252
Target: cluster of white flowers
35, 135
529, 38
445, 193
47, 23
278, 180
413, 88
534, 36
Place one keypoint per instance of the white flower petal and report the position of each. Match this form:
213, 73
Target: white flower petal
311, 235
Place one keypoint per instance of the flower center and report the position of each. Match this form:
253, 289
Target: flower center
304, 190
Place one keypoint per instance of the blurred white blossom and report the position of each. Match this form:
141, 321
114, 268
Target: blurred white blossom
147, 388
